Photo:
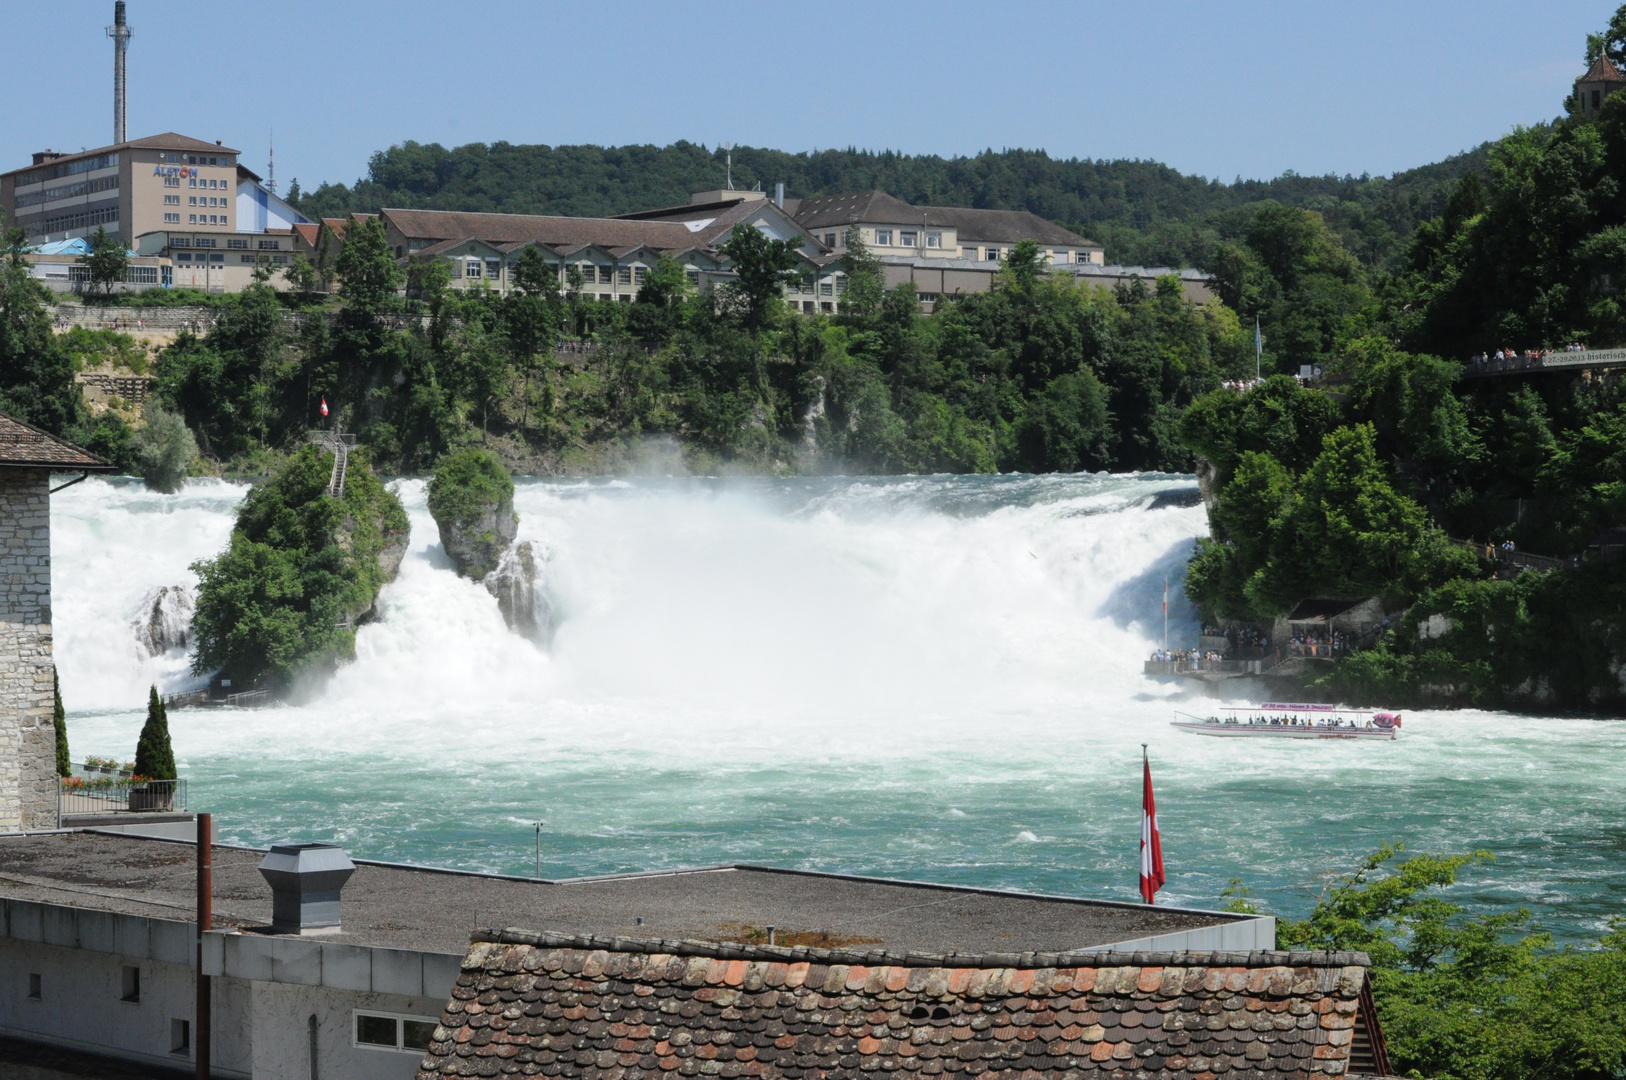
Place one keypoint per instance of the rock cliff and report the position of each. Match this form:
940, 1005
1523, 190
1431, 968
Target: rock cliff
471, 497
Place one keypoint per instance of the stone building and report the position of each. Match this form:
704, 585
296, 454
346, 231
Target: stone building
28, 456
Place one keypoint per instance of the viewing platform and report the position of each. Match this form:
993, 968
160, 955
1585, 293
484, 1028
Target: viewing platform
1578, 360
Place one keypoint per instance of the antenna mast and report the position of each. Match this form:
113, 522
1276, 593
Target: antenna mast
729, 147
271, 167
120, 33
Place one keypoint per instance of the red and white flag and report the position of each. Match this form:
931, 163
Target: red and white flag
324, 406
1151, 846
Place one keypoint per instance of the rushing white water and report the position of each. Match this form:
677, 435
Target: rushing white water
930, 677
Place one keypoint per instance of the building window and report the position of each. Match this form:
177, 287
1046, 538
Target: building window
826, 306
217, 258
191, 219
34, 990
389, 1031
1058, 256
268, 245
172, 200
172, 181
694, 277
1594, 99
172, 219
132, 984
907, 238
180, 1037
883, 237
993, 254
494, 269
827, 287
205, 242
639, 273
249, 259
183, 256
605, 298
179, 241
623, 274
829, 239
192, 200
238, 244
934, 239
279, 259
606, 275
841, 284
473, 269
192, 182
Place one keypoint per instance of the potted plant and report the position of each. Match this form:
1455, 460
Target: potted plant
154, 786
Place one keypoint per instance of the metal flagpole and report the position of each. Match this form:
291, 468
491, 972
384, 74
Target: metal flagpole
1258, 348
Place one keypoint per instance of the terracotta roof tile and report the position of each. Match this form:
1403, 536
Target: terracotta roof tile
26, 446
1602, 70
619, 1009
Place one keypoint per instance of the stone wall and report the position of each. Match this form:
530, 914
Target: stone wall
27, 738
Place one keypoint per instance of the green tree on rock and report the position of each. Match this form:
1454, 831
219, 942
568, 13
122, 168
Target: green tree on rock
155, 757
764, 267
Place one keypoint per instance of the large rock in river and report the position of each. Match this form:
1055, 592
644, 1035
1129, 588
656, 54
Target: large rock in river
520, 585
471, 497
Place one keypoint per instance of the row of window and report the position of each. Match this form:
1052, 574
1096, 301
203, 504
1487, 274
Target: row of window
68, 191
201, 200
134, 275
83, 220
205, 219
186, 257
279, 259
176, 158
68, 168
906, 238
196, 241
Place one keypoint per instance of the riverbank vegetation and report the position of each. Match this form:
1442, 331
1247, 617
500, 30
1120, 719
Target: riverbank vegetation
1469, 997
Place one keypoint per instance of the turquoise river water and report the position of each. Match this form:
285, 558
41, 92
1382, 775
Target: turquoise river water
934, 678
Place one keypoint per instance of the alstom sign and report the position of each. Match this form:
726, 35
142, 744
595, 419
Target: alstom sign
174, 170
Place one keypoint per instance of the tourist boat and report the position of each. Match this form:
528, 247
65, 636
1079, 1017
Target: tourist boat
1278, 720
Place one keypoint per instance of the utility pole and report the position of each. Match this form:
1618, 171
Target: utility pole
538, 826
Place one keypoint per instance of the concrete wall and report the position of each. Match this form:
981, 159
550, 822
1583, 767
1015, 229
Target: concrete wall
80, 1005
27, 737
282, 1025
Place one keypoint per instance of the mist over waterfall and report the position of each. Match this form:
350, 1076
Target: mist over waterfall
933, 677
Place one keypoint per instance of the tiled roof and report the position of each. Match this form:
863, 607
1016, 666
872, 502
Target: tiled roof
309, 231
26, 446
617, 1009
555, 232
1602, 70
169, 140
1000, 226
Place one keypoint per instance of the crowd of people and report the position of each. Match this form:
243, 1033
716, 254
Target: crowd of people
1176, 656
1503, 355
1318, 643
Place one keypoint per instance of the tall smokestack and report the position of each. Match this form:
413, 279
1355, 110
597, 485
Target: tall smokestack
120, 33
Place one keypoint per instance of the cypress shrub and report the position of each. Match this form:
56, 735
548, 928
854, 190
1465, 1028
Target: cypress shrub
155, 758
59, 719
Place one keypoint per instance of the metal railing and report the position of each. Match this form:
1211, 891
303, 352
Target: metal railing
92, 794
1214, 667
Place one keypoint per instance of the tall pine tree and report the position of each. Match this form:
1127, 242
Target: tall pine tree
64, 766
155, 758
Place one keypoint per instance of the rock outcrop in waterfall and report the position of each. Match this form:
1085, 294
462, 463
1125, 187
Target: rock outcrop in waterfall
164, 620
520, 585
305, 566
471, 497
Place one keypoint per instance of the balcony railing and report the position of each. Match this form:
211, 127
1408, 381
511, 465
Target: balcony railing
92, 794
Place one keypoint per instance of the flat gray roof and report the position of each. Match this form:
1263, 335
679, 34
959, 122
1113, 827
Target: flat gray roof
433, 910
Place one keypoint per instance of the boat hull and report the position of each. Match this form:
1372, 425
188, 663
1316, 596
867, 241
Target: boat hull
1278, 731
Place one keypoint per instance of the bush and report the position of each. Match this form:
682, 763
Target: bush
155, 758
164, 449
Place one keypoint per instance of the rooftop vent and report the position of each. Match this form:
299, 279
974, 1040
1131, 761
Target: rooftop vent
305, 880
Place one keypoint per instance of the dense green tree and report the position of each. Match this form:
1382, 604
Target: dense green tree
36, 374
59, 720
107, 261
155, 757
165, 449
367, 270
763, 266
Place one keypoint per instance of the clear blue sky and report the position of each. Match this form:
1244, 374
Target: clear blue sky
1241, 88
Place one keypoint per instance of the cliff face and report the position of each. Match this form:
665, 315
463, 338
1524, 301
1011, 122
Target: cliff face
476, 547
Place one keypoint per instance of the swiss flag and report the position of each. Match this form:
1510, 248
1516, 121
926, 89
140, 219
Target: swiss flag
1151, 846
324, 406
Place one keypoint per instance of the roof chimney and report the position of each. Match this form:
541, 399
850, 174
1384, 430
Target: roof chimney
120, 33
305, 880
779, 195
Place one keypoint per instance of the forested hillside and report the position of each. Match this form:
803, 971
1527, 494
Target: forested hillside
1145, 213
